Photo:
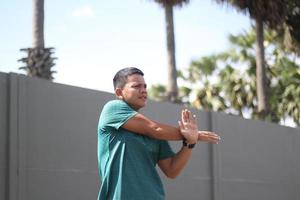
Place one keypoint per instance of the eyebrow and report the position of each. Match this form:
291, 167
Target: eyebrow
139, 84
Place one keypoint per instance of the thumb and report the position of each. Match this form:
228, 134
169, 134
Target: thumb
180, 124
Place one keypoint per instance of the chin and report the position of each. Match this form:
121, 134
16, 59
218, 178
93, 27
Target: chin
141, 105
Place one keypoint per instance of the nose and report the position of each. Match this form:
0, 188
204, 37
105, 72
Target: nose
143, 90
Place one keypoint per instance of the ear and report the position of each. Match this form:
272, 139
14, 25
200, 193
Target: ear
118, 93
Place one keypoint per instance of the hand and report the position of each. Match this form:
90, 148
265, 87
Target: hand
188, 127
208, 136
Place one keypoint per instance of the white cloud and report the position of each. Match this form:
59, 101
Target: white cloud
84, 11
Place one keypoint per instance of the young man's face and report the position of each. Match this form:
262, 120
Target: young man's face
134, 92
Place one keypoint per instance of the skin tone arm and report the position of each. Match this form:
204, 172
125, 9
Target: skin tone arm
140, 124
172, 167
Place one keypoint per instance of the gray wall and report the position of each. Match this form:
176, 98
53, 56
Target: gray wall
48, 148
3, 135
256, 160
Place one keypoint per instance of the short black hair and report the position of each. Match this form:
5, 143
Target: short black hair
120, 78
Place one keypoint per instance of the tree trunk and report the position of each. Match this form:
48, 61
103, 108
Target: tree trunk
172, 89
38, 62
261, 79
38, 24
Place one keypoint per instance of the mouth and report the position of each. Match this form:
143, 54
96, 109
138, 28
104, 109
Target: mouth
143, 98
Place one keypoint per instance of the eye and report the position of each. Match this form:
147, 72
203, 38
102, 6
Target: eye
139, 86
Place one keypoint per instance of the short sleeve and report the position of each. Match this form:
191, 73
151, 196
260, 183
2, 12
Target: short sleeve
114, 114
165, 150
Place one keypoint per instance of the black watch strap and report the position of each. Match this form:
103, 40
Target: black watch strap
190, 146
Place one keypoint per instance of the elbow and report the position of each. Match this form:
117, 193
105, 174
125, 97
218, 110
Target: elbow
172, 175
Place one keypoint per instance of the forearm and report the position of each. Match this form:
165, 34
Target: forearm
165, 132
178, 162
140, 124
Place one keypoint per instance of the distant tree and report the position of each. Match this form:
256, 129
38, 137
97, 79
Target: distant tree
291, 28
38, 62
227, 81
172, 88
262, 12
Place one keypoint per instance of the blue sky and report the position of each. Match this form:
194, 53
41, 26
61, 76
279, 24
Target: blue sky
94, 39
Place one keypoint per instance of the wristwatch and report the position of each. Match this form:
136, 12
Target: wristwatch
185, 144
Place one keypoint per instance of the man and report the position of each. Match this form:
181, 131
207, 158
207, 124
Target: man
130, 145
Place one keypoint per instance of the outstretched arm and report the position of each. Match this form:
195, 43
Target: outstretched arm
140, 124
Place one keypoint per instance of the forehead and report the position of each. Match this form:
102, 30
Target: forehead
135, 78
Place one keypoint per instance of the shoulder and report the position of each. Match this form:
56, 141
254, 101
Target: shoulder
117, 107
114, 104
115, 113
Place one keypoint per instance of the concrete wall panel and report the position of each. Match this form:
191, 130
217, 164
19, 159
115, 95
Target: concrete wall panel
3, 135
258, 157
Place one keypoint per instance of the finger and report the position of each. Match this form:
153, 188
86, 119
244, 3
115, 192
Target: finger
184, 115
180, 124
183, 118
215, 138
210, 137
188, 115
209, 133
212, 140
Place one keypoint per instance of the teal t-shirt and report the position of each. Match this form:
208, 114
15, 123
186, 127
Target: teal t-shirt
127, 160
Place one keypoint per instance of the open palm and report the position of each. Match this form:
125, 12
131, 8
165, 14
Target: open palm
188, 126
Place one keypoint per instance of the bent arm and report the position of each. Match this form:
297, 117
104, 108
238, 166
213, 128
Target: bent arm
188, 127
172, 166
142, 125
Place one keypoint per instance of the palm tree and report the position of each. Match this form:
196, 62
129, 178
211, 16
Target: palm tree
291, 28
38, 62
202, 94
227, 81
262, 12
38, 24
172, 88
